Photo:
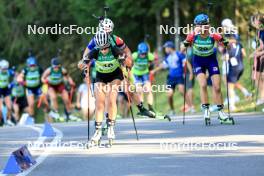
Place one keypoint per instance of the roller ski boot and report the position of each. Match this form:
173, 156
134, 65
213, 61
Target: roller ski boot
206, 111
104, 130
110, 132
96, 139
144, 112
105, 127
225, 118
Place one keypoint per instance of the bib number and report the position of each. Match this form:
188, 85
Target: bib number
233, 61
108, 65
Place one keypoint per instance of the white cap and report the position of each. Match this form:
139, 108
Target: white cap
227, 23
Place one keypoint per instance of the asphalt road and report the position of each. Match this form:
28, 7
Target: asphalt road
164, 148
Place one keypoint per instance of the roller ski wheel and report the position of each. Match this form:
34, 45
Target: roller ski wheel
96, 139
110, 132
94, 143
207, 121
228, 121
110, 142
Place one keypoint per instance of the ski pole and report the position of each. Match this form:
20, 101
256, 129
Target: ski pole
153, 82
257, 91
184, 92
227, 90
87, 77
128, 97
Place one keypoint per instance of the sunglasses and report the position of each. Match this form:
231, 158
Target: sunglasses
32, 65
55, 66
103, 49
143, 54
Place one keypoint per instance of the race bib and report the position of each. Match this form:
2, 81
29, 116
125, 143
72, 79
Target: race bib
233, 61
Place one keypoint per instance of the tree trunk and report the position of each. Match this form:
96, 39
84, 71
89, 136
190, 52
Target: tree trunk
158, 35
176, 23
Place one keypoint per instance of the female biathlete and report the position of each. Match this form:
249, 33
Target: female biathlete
108, 78
108, 26
31, 78
204, 58
5, 92
142, 60
54, 76
258, 69
19, 99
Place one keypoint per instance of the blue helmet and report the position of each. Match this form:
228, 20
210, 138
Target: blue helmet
201, 19
169, 44
55, 61
142, 48
31, 61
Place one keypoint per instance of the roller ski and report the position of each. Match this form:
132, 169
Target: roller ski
159, 115
206, 111
96, 139
165, 117
146, 113
225, 118
110, 132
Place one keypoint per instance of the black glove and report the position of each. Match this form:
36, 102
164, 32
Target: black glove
121, 58
86, 60
186, 43
225, 42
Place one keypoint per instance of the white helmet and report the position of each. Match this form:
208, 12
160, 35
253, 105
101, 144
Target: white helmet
107, 25
102, 39
227, 23
4, 64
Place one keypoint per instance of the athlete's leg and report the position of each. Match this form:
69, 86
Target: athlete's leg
66, 100
100, 97
189, 97
16, 111
53, 98
91, 105
99, 101
216, 80
203, 88
170, 98
8, 104
231, 88
139, 91
113, 92
31, 100
181, 89
148, 91
242, 89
